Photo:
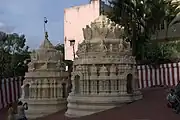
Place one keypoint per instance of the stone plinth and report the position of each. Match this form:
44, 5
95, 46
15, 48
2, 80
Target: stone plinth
104, 73
44, 107
45, 84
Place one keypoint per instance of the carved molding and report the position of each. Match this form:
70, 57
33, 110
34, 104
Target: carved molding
103, 27
105, 36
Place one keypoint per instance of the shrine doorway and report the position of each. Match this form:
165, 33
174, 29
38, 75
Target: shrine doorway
26, 91
129, 83
76, 83
64, 90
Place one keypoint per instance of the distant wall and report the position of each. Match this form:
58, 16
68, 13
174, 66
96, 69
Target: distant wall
165, 75
10, 90
76, 18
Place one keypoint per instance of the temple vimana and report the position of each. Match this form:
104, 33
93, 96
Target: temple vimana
104, 74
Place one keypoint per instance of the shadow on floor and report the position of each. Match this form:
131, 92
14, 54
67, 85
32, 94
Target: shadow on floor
152, 107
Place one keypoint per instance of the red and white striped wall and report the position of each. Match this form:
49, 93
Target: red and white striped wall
166, 74
10, 90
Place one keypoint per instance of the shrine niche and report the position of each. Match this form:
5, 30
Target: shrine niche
76, 85
129, 84
26, 91
46, 82
105, 68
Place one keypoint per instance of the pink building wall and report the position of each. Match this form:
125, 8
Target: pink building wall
76, 18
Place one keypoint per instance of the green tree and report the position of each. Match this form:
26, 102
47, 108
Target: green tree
141, 19
13, 54
60, 47
159, 53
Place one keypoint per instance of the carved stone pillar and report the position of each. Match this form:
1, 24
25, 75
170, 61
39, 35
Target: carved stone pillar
100, 86
39, 89
36, 91
51, 89
55, 89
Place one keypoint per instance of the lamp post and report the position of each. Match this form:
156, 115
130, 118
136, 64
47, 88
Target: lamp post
72, 43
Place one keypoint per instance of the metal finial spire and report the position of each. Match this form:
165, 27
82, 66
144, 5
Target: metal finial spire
46, 35
45, 31
46, 43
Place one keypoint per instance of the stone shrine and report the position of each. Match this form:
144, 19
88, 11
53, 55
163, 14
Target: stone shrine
104, 73
45, 84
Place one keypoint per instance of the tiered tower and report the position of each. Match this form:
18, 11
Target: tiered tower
104, 73
45, 84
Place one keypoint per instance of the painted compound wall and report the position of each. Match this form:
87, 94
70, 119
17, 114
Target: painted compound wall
10, 90
166, 74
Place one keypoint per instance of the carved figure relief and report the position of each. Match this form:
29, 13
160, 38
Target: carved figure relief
99, 31
118, 31
78, 68
103, 30
103, 69
31, 66
126, 45
87, 32
113, 68
94, 28
121, 47
93, 69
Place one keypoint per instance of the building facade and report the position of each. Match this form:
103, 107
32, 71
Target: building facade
75, 18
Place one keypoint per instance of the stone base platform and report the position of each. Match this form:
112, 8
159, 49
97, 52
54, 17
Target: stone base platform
79, 106
43, 107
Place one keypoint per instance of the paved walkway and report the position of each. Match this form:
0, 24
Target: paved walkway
3, 114
152, 107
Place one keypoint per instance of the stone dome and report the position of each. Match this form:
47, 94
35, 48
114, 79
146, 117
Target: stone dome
47, 52
103, 28
104, 73
103, 35
46, 44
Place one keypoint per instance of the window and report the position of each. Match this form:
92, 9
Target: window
72, 42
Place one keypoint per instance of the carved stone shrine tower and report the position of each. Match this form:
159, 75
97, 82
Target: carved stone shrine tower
104, 73
45, 84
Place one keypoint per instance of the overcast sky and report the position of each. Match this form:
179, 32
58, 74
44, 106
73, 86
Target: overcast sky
26, 17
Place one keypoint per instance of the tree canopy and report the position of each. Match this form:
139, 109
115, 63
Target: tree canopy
142, 19
60, 47
13, 53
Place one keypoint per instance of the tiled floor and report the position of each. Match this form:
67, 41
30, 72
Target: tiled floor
152, 107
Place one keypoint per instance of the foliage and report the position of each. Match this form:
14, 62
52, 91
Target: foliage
177, 46
13, 53
141, 19
60, 47
158, 53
